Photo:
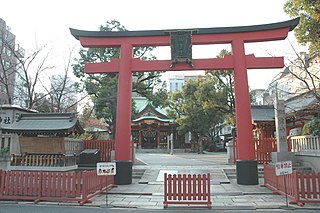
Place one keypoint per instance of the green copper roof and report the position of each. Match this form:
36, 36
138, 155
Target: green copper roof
142, 102
45, 123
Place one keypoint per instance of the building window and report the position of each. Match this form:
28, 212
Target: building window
7, 65
8, 52
2, 143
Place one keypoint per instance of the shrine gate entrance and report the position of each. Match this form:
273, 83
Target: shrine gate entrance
181, 42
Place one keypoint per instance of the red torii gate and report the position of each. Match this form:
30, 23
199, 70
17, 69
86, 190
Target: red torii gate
236, 36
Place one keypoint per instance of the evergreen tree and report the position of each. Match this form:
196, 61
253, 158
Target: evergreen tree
308, 31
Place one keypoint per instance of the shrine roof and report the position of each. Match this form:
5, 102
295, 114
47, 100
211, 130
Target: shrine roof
291, 24
142, 103
305, 101
45, 123
262, 113
152, 118
17, 107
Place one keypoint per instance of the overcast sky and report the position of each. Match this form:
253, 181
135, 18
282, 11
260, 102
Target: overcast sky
42, 22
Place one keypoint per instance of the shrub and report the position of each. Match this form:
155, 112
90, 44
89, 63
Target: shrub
312, 127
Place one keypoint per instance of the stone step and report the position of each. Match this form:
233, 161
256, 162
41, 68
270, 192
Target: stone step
156, 177
303, 169
300, 167
137, 173
232, 173
161, 151
296, 164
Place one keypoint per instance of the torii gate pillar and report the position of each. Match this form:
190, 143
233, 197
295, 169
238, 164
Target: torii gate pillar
247, 172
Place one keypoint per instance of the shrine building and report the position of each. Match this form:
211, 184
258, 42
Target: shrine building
151, 128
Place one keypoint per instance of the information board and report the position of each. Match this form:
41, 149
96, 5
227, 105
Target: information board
283, 168
106, 168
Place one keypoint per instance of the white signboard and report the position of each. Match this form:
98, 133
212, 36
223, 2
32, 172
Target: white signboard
106, 168
283, 168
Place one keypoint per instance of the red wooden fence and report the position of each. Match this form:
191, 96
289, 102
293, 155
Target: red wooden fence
52, 186
277, 183
308, 187
301, 187
187, 189
105, 147
263, 149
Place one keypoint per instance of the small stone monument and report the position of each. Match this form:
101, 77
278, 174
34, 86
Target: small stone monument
282, 153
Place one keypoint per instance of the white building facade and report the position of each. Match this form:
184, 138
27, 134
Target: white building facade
177, 82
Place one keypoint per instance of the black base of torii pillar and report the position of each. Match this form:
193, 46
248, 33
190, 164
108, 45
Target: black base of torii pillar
247, 172
124, 173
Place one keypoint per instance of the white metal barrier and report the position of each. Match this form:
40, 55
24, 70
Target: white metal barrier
305, 145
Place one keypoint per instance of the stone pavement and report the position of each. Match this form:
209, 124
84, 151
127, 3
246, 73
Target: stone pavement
147, 192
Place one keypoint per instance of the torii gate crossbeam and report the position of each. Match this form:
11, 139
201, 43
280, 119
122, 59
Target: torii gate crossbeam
238, 61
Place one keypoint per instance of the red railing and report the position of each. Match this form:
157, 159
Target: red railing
308, 186
187, 189
105, 147
52, 186
300, 187
263, 149
277, 183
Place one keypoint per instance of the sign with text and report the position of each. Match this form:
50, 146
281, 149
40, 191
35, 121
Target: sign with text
283, 168
106, 168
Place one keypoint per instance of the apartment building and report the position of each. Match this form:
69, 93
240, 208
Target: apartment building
8, 63
176, 82
12, 87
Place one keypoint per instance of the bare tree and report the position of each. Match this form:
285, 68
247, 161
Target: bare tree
63, 89
25, 80
301, 76
19, 74
305, 69
58, 86
30, 70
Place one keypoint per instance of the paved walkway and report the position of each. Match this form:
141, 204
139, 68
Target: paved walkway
147, 192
